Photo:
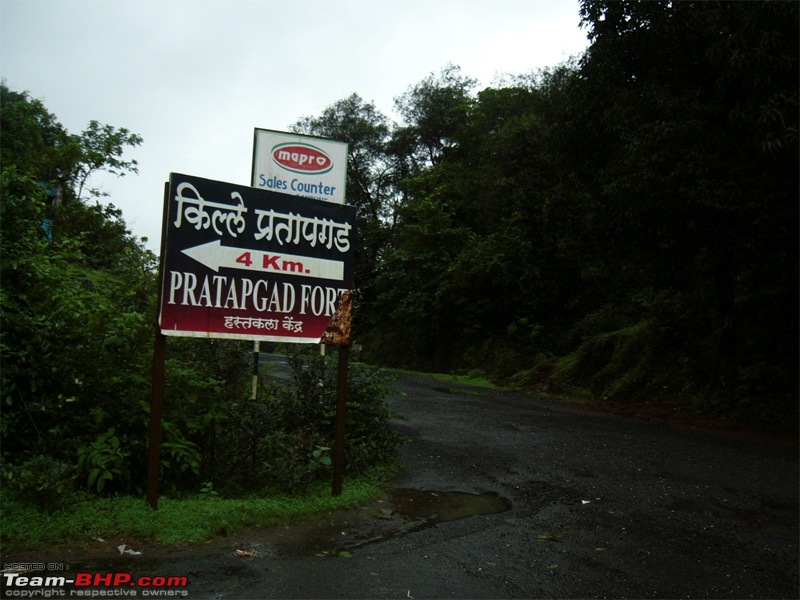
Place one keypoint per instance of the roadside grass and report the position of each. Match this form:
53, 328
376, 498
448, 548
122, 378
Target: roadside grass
472, 379
521, 382
177, 520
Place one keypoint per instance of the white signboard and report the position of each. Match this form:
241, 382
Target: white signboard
299, 165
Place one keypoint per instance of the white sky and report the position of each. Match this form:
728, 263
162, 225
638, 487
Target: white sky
194, 78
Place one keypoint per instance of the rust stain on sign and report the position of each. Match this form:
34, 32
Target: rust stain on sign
338, 331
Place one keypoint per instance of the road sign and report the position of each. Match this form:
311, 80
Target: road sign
299, 165
247, 263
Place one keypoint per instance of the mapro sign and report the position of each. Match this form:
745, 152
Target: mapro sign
299, 165
245, 263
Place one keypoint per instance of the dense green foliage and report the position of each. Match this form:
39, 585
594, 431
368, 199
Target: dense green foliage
624, 225
77, 303
78, 313
282, 440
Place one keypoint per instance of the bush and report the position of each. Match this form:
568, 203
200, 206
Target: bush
282, 440
102, 461
614, 365
43, 481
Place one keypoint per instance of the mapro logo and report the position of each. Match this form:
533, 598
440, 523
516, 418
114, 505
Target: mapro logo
302, 158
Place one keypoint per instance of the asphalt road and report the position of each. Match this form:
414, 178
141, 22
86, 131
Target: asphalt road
506, 496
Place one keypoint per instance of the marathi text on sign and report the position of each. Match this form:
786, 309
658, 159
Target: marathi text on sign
226, 270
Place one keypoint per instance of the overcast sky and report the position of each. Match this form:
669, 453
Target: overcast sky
194, 78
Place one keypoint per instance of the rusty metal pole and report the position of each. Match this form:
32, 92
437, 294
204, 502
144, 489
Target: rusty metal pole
159, 375
157, 401
341, 409
256, 360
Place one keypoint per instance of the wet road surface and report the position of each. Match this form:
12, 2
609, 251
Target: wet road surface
506, 496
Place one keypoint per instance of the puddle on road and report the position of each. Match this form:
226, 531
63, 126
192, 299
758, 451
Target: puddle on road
411, 510
440, 507
776, 522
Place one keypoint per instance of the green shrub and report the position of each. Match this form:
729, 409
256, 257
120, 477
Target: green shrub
282, 440
42, 481
103, 461
613, 365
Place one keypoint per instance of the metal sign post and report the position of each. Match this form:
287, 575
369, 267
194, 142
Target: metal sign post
341, 409
256, 361
157, 401
159, 371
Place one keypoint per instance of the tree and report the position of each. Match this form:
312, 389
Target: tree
629, 219
38, 145
372, 181
434, 109
100, 148
695, 110
487, 239
33, 140
77, 298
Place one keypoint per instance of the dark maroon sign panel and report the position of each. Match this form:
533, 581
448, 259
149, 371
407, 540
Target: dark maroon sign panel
247, 263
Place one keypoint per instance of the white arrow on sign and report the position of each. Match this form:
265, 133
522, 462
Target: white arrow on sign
215, 256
